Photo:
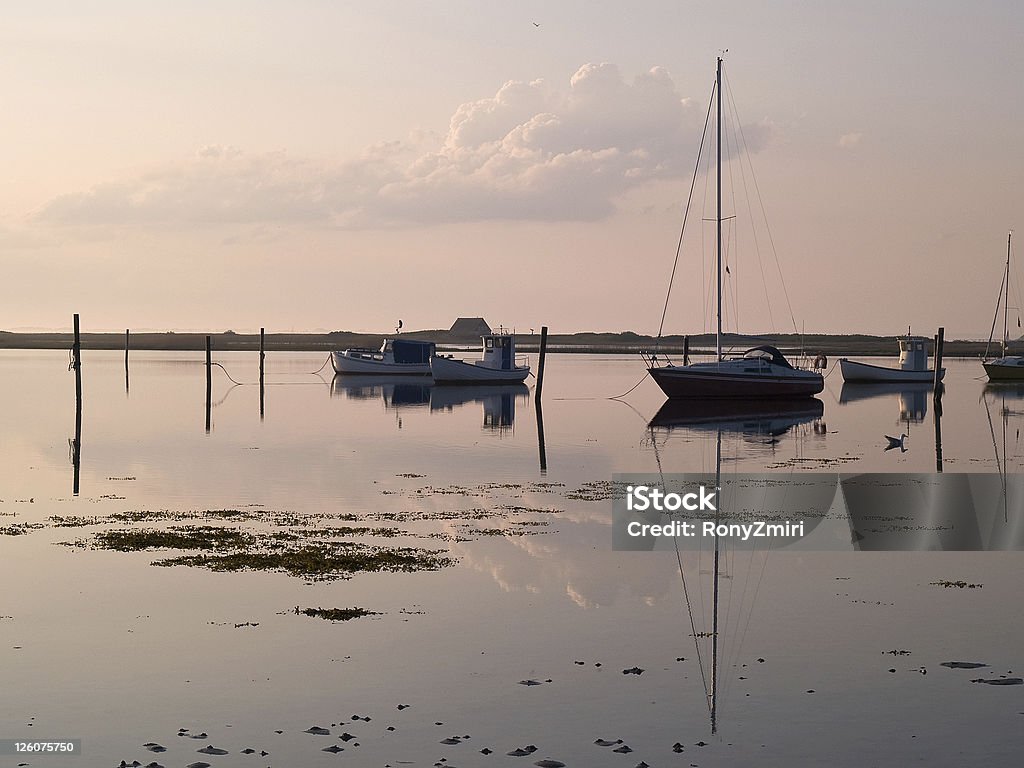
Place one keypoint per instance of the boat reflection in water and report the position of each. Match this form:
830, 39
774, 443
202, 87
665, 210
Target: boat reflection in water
395, 391
954, 512
400, 392
498, 400
758, 422
911, 398
719, 576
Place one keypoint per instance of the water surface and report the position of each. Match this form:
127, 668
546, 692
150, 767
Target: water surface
825, 657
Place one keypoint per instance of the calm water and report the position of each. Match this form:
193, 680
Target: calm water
100, 645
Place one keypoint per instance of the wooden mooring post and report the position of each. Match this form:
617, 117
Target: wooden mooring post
209, 382
127, 344
76, 446
686, 350
937, 397
262, 356
540, 362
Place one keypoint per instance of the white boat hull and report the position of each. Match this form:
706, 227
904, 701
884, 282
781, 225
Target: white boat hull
864, 372
346, 363
447, 370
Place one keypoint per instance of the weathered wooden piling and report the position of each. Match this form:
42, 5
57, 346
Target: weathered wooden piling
540, 362
127, 344
937, 388
686, 350
262, 356
939, 343
209, 381
76, 446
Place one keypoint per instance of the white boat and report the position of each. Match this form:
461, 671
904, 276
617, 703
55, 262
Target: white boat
913, 365
762, 372
497, 364
1007, 367
395, 356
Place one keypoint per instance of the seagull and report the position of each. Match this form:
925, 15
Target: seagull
536, 24
896, 442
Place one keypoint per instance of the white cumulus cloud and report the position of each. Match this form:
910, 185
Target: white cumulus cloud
532, 151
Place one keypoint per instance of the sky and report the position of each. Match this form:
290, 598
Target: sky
312, 165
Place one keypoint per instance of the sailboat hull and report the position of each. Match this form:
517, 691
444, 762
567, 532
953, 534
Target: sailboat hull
727, 382
1005, 369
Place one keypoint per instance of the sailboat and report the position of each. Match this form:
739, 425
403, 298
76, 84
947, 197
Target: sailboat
761, 372
1007, 367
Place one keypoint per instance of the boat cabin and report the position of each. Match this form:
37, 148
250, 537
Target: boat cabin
409, 351
914, 353
499, 352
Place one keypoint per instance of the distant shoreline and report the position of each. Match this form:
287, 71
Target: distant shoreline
626, 342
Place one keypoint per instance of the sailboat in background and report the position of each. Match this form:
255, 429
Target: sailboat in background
761, 372
1007, 367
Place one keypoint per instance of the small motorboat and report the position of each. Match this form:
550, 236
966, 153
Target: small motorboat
913, 365
497, 364
395, 356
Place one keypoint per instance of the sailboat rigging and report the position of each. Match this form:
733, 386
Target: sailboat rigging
1007, 367
761, 372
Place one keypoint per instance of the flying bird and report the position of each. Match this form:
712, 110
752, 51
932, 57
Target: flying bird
896, 442
536, 24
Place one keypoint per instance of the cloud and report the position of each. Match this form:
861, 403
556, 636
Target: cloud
850, 140
530, 152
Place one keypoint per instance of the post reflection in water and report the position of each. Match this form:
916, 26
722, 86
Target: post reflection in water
759, 426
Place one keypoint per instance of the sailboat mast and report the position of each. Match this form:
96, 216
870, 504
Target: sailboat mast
714, 621
1006, 298
718, 217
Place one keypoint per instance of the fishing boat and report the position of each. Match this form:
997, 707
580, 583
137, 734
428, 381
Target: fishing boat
497, 364
759, 373
913, 365
395, 356
1007, 367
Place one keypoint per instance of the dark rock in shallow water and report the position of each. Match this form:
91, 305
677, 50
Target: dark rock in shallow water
529, 682
153, 765
209, 749
549, 764
486, 751
963, 664
633, 671
316, 730
333, 748
623, 750
451, 740
607, 743
677, 747
1000, 681
198, 765
248, 751
529, 749
154, 747
346, 736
